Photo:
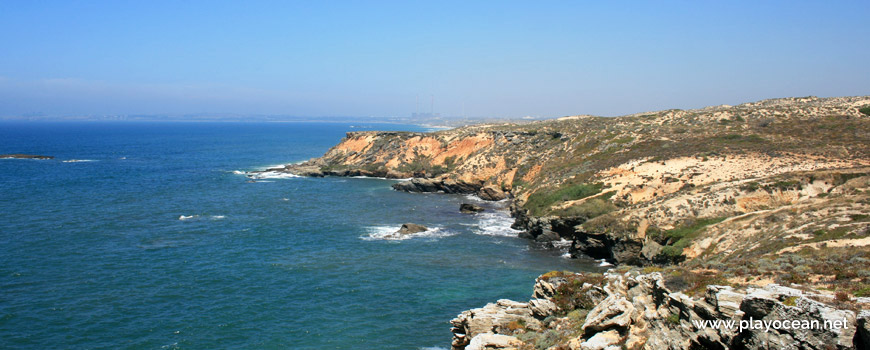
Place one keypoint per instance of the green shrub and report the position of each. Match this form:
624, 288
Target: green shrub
681, 237
572, 295
691, 228
578, 317
865, 110
539, 202
548, 340
783, 186
589, 209
749, 186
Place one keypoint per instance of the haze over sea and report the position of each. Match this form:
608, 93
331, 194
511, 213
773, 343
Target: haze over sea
96, 254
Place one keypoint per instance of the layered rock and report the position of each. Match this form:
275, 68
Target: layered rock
638, 311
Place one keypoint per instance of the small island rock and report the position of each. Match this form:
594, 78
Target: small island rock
410, 228
467, 208
24, 156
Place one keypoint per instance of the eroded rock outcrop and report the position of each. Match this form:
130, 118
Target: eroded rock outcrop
637, 311
410, 228
468, 208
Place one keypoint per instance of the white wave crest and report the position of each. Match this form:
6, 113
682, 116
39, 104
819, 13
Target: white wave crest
561, 244
78, 160
389, 233
603, 262
271, 175
197, 217
496, 223
239, 172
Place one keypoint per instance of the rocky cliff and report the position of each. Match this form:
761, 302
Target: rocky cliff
752, 197
727, 183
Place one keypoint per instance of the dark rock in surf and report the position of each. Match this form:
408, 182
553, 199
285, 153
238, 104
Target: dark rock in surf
467, 208
410, 228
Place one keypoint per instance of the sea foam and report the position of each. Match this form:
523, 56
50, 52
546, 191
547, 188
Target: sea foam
389, 233
271, 175
495, 224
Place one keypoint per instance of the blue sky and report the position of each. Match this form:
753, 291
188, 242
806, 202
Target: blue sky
355, 58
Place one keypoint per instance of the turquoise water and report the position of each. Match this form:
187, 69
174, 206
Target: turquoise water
95, 256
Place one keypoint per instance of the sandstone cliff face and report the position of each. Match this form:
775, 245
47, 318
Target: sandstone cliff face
661, 151
638, 311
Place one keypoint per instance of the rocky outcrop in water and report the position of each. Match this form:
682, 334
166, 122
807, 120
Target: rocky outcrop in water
638, 311
467, 208
410, 228
24, 156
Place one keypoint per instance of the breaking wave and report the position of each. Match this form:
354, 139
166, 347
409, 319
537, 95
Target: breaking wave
388, 233
195, 217
265, 175
496, 223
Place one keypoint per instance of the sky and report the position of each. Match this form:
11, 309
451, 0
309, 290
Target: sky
377, 58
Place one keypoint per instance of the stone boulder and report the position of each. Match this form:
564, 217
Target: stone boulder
491, 193
467, 208
494, 318
862, 334
410, 228
600, 341
614, 312
487, 341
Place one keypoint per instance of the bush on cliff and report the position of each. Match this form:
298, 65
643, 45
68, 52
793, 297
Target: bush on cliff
577, 292
681, 237
865, 110
539, 202
588, 209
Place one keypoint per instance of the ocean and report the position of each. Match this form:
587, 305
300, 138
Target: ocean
149, 236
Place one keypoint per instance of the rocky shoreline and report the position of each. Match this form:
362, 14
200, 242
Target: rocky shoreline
638, 311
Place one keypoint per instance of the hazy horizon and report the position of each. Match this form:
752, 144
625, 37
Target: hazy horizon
392, 59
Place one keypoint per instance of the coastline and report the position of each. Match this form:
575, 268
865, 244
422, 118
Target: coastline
629, 191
